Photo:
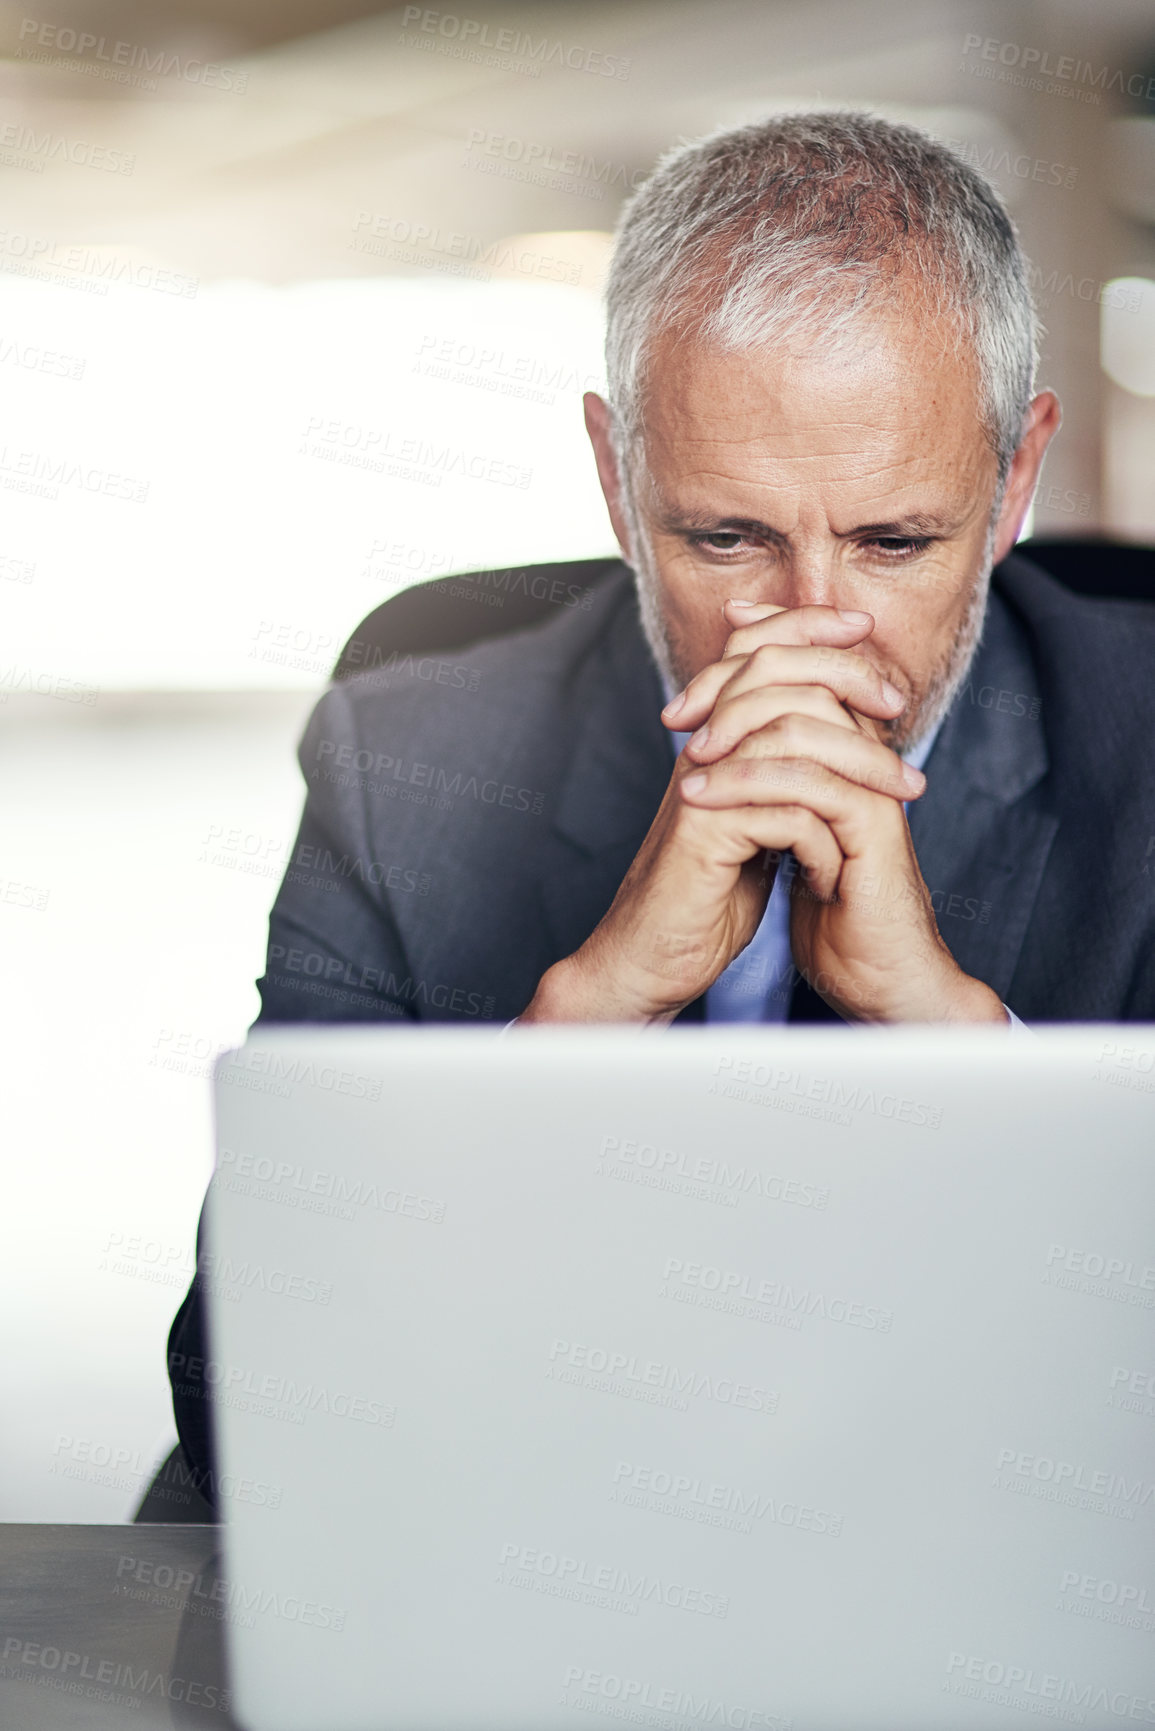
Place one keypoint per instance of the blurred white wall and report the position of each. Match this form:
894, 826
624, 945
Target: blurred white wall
301, 453
214, 491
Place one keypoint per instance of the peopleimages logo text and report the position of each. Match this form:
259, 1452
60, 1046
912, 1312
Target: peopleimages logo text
1027, 1680
469, 35
654, 1374
1077, 1476
571, 1575
161, 62
334, 1186
662, 1492
631, 1695
1039, 63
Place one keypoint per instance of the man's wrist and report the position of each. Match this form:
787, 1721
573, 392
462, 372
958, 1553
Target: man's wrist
976, 1002
570, 992
561, 996
957, 998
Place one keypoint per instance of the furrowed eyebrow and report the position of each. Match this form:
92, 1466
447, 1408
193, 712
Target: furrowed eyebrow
917, 524
696, 523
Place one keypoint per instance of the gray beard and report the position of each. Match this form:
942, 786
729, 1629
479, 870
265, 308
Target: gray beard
925, 707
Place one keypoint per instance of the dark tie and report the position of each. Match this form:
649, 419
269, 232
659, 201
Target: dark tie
807, 1006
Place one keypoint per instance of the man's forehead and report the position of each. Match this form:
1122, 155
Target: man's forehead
891, 416
879, 381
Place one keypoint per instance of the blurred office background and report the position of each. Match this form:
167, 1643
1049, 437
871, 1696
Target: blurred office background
298, 299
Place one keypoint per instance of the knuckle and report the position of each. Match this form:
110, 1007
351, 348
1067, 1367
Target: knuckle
816, 832
796, 763
746, 766
790, 727
791, 772
688, 821
832, 710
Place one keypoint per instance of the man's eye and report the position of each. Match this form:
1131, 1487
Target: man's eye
719, 541
898, 547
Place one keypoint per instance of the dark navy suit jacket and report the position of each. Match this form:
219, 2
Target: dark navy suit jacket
469, 817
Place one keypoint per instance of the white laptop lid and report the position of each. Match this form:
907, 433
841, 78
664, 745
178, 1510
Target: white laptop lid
739, 1377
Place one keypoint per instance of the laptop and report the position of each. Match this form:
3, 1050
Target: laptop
744, 1377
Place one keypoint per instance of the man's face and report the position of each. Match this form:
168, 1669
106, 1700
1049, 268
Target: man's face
854, 474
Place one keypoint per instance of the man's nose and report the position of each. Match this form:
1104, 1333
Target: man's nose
810, 579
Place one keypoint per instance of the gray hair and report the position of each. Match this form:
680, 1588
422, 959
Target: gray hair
796, 225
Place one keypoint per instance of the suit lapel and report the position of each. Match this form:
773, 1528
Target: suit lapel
984, 827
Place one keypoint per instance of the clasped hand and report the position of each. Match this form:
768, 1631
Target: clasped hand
786, 756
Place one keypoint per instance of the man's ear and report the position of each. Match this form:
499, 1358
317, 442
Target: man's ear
1043, 420
598, 423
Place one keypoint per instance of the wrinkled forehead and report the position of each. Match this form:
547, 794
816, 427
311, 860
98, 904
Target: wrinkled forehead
891, 392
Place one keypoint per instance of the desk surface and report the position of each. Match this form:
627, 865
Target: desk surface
103, 1627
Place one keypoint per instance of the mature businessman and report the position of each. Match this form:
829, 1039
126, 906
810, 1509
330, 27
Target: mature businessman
821, 434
